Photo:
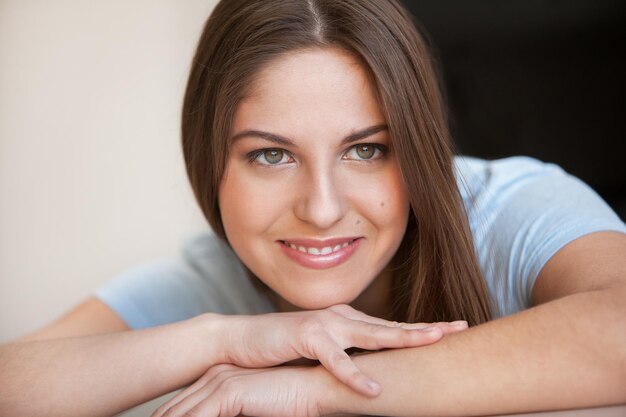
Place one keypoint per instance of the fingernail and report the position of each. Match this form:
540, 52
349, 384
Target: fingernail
429, 329
373, 386
459, 323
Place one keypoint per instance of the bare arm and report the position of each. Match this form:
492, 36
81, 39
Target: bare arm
100, 374
90, 317
61, 371
568, 352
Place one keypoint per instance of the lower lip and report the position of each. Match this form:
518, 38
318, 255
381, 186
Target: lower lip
321, 261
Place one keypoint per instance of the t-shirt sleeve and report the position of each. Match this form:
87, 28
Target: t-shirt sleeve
207, 277
158, 293
527, 211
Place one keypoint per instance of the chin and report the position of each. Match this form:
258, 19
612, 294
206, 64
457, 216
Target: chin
319, 301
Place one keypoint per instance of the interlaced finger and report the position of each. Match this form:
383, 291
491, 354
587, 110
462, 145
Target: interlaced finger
374, 337
197, 392
216, 400
353, 314
339, 363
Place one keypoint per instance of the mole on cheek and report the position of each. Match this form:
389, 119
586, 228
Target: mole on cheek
382, 204
358, 221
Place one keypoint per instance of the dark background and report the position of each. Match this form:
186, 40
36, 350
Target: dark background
543, 78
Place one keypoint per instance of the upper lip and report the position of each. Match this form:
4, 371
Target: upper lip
319, 243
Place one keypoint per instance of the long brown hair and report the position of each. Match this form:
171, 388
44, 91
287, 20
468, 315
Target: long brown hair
436, 277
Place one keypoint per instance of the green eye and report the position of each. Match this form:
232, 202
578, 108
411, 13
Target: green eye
273, 156
365, 151
269, 157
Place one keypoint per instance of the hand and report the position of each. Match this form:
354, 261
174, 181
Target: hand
228, 390
272, 339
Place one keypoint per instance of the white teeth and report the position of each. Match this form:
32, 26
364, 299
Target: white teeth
326, 250
316, 251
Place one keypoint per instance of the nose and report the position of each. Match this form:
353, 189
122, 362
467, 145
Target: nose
320, 201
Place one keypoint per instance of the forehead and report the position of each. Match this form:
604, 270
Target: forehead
310, 88
326, 65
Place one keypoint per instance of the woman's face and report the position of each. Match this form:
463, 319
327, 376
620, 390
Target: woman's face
312, 199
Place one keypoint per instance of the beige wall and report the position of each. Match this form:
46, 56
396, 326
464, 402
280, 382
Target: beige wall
91, 175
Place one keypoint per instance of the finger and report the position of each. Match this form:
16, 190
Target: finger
353, 314
450, 327
200, 383
455, 326
210, 408
401, 335
223, 400
182, 407
195, 393
338, 363
375, 337
356, 315
159, 412
215, 406
180, 402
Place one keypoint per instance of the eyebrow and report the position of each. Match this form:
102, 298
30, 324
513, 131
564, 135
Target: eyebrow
283, 141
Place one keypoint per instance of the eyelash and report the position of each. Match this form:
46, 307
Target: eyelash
254, 156
380, 151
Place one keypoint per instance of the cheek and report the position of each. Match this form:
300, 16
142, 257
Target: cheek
383, 199
248, 204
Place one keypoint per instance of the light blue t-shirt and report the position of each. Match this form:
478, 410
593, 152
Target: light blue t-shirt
521, 212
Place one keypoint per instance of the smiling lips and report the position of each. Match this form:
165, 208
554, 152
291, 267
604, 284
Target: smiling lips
320, 254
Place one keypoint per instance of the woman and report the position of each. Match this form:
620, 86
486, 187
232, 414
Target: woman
316, 143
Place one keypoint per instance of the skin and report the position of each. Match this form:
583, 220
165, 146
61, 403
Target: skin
92, 347
566, 352
548, 357
66, 361
322, 188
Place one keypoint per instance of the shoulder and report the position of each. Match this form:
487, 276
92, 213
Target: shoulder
493, 181
521, 212
215, 262
522, 188
206, 277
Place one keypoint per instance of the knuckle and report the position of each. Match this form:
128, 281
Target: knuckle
339, 358
230, 385
374, 329
312, 324
351, 376
222, 378
219, 371
222, 367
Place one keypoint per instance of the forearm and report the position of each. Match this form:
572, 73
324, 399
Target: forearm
565, 354
104, 374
